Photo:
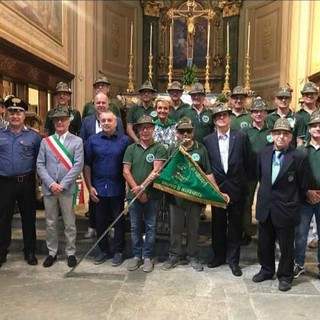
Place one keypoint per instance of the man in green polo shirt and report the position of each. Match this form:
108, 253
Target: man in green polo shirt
142, 161
177, 106
310, 207
199, 114
100, 85
146, 107
282, 99
185, 212
240, 118
259, 137
309, 106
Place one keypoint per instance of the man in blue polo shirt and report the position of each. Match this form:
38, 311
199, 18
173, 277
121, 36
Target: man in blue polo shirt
103, 176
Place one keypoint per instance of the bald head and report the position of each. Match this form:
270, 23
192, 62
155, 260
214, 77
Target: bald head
101, 102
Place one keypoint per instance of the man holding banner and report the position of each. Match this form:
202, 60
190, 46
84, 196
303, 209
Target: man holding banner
59, 163
185, 209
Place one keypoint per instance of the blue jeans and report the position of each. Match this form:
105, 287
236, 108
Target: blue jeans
302, 230
138, 212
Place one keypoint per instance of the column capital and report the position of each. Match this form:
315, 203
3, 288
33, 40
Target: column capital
152, 7
230, 8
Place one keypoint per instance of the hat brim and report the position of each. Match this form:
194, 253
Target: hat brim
238, 94
66, 91
194, 92
139, 124
280, 129
13, 108
216, 113
147, 89
309, 91
104, 82
287, 95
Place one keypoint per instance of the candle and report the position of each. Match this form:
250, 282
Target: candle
150, 40
227, 38
208, 38
248, 48
131, 38
171, 43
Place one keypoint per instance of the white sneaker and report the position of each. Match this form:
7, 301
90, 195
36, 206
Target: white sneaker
90, 233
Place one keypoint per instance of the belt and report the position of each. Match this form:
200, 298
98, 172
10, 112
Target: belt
20, 178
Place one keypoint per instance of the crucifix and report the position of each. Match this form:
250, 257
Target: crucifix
191, 10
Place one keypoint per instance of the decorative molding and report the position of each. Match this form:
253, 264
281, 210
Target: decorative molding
152, 8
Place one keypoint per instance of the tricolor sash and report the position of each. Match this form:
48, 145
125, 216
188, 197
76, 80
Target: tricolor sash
60, 151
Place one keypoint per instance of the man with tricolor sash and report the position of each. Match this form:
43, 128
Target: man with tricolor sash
59, 163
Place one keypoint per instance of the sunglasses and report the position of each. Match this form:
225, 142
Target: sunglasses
183, 131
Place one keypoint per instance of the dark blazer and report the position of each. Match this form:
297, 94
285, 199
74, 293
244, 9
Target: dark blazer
234, 182
88, 127
281, 199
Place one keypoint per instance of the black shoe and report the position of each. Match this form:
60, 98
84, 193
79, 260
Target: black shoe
216, 263
48, 262
261, 276
284, 285
72, 261
3, 259
236, 270
31, 259
246, 239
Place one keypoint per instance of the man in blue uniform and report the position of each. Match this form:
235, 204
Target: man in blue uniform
19, 147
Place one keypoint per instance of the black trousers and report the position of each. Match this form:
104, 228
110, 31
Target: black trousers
268, 233
107, 210
22, 192
227, 232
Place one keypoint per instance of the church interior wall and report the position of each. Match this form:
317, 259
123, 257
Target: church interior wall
284, 48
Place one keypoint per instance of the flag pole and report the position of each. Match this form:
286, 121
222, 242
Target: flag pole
71, 272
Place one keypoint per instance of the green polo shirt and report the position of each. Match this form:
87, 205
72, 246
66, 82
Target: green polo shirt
176, 114
296, 122
314, 161
258, 139
89, 109
199, 154
306, 118
137, 111
203, 122
141, 161
241, 121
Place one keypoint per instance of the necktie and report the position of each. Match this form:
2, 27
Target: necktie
276, 164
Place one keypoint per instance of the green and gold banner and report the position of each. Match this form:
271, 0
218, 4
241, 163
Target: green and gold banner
182, 177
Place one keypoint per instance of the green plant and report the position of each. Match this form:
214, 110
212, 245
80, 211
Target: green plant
189, 75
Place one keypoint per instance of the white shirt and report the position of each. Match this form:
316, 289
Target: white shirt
223, 140
62, 137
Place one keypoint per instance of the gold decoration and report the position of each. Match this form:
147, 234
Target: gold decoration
226, 87
152, 8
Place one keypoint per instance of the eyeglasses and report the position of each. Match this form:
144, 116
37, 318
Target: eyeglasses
283, 133
183, 131
148, 128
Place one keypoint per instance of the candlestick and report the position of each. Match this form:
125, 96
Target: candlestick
228, 38
171, 42
208, 38
131, 37
248, 48
150, 50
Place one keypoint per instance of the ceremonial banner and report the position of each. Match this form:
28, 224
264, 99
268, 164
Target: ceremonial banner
184, 178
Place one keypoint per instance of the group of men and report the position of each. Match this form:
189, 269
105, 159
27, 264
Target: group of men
228, 143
